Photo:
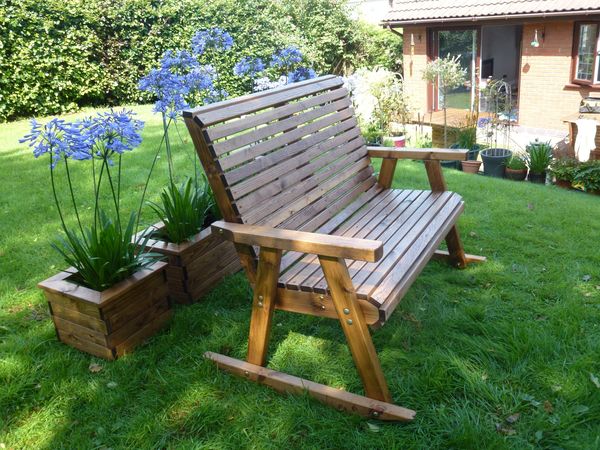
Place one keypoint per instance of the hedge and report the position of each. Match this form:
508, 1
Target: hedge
59, 55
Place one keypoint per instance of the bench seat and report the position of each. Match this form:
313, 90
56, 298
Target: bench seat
410, 223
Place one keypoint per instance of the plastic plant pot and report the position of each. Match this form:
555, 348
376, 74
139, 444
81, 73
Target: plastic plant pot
494, 161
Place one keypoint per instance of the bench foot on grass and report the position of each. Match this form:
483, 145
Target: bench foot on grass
341, 400
443, 255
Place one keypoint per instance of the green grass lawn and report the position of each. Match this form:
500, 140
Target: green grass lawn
465, 349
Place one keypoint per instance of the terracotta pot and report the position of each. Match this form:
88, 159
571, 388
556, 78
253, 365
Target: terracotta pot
564, 184
515, 174
196, 265
470, 166
112, 322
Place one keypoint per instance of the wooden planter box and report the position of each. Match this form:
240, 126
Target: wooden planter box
110, 323
197, 265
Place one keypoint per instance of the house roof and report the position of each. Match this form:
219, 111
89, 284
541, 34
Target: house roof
425, 11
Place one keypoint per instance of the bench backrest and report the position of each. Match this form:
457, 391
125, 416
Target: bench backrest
291, 157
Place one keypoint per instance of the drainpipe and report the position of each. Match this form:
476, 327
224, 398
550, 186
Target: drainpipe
396, 32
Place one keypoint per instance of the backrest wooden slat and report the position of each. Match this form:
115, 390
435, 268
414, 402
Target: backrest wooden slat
291, 157
229, 109
258, 165
332, 174
233, 127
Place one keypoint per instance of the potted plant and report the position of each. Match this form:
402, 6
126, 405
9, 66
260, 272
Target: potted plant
372, 134
539, 155
588, 176
498, 103
516, 168
564, 170
197, 259
113, 296
465, 137
448, 74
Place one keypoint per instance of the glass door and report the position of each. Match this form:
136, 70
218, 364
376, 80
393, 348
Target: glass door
461, 43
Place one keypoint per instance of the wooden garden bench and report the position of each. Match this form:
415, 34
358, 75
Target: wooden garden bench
317, 232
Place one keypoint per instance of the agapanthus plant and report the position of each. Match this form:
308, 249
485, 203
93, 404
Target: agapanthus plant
103, 252
284, 67
181, 82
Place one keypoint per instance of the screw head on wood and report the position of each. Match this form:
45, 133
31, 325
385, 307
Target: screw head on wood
349, 321
246, 373
346, 311
321, 297
322, 306
260, 297
220, 230
260, 303
375, 414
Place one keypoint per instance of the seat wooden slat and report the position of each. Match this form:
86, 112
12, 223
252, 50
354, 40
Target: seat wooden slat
249, 153
391, 230
389, 295
414, 221
293, 279
330, 220
275, 128
360, 230
233, 127
229, 109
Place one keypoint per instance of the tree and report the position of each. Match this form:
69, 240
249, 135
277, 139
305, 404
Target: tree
449, 74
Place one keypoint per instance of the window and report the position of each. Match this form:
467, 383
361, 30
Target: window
587, 60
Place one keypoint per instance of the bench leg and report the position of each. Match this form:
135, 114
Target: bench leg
265, 292
455, 248
355, 328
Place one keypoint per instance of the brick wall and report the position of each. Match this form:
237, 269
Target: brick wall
545, 71
415, 59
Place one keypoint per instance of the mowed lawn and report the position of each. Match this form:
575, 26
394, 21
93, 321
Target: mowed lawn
502, 355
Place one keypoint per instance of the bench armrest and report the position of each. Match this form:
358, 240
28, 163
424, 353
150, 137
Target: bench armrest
442, 154
300, 241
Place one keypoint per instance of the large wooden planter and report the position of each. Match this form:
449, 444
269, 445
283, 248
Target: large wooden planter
197, 265
110, 323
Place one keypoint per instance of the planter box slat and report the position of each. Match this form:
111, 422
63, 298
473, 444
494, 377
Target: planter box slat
147, 331
85, 334
79, 306
85, 346
72, 315
136, 323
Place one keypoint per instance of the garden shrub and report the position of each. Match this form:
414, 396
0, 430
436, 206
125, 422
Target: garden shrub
57, 56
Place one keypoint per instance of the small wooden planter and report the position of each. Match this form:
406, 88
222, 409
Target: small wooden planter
197, 265
110, 323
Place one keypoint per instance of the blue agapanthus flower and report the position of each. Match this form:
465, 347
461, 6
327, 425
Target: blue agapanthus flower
201, 78
179, 75
213, 38
178, 62
111, 132
215, 95
300, 74
58, 138
248, 66
286, 58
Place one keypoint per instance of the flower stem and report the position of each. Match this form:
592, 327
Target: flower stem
62, 220
168, 146
114, 195
73, 197
139, 213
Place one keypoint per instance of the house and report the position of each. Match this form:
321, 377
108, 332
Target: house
547, 52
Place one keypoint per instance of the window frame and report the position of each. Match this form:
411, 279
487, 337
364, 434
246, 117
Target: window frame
595, 81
